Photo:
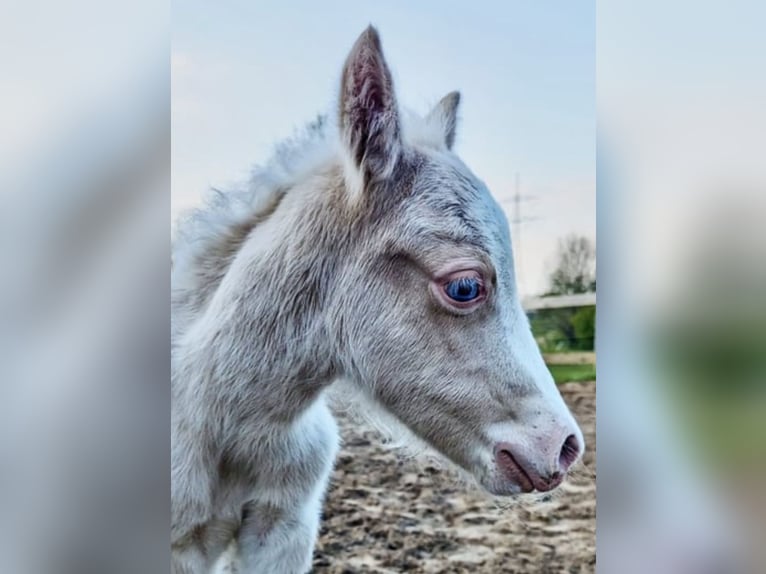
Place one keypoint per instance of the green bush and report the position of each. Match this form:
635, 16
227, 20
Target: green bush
568, 329
584, 323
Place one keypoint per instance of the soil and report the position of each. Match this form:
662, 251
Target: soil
386, 513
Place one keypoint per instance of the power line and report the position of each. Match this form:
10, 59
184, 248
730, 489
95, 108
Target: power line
517, 221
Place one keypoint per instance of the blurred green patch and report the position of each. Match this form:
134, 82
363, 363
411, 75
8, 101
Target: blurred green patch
712, 361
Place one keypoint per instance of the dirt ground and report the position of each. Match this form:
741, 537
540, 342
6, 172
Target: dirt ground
386, 513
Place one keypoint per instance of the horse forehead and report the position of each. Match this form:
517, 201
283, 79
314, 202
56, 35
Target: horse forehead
444, 168
450, 191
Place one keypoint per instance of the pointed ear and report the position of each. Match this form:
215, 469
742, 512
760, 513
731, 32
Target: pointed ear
444, 115
369, 117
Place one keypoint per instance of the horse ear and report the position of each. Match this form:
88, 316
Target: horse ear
444, 115
369, 118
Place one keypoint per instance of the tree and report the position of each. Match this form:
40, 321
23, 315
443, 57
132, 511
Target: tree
575, 270
573, 328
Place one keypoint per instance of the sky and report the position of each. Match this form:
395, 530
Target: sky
246, 74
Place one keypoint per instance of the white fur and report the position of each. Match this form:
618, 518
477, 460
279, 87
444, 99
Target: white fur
320, 269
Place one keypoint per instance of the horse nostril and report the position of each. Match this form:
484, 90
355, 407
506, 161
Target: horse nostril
570, 450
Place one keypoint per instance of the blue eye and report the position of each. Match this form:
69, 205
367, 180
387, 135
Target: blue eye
463, 290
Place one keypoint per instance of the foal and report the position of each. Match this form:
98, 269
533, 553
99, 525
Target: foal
373, 255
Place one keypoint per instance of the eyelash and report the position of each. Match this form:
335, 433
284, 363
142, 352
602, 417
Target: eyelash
464, 289
447, 287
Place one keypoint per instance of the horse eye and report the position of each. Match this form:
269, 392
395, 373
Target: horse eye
463, 290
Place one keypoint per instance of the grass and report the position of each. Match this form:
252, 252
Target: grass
573, 373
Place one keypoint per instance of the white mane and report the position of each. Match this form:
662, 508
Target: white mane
292, 159
307, 150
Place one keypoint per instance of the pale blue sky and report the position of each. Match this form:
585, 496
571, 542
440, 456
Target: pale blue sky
245, 74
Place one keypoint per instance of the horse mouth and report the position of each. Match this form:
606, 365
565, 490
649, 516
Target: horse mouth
513, 471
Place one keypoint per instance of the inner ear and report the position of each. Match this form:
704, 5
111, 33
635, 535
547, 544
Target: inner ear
444, 116
368, 114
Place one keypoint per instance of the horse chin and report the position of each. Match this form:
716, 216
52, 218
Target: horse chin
503, 488
496, 484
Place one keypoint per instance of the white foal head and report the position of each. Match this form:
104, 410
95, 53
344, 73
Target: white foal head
425, 307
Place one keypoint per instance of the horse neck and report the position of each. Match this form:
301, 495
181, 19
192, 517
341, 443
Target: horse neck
261, 346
